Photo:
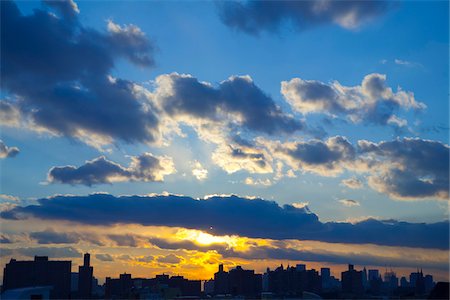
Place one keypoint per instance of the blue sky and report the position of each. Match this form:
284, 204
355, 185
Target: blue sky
407, 42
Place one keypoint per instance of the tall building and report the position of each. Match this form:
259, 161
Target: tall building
352, 281
364, 278
208, 287
391, 280
39, 272
429, 283
85, 276
374, 274
221, 282
293, 281
417, 281
245, 283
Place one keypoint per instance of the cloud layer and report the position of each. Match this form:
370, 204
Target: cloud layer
237, 100
252, 17
371, 102
232, 215
145, 167
57, 73
409, 168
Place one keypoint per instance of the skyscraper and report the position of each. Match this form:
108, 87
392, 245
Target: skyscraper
85, 273
352, 281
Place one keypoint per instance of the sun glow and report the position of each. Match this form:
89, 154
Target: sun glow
204, 238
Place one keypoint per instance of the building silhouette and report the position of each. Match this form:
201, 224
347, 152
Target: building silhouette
85, 277
44, 279
352, 281
39, 272
237, 282
293, 281
119, 288
221, 282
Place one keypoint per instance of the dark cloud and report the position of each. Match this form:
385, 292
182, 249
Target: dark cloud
4, 239
145, 259
317, 152
327, 158
184, 95
372, 102
169, 259
104, 257
67, 8
126, 240
5, 252
49, 236
53, 237
6, 151
252, 17
254, 218
145, 167
409, 168
54, 252
60, 72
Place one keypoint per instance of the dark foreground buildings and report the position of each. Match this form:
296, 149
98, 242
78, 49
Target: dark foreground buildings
39, 272
160, 287
85, 277
45, 279
237, 282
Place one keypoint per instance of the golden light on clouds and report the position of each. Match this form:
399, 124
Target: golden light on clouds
146, 251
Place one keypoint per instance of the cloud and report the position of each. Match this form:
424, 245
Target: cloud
51, 237
353, 183
372, 102
68, 8
349, 202
198, 171
406, 63
186, 245
54, 252
104, 257
326, 158
409, 168
252, 17
233, 157
169, 259
236, 100
9, 198
5, 239
146, 167
261, 182
253, 218
9, 114
145, 259
6, 151
57, 74
126, 240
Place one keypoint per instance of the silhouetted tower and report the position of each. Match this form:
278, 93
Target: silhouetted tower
85, 273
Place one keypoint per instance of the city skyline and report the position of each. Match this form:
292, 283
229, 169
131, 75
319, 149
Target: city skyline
54, 279
261, 133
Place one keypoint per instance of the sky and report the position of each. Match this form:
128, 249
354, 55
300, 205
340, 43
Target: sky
175, 135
